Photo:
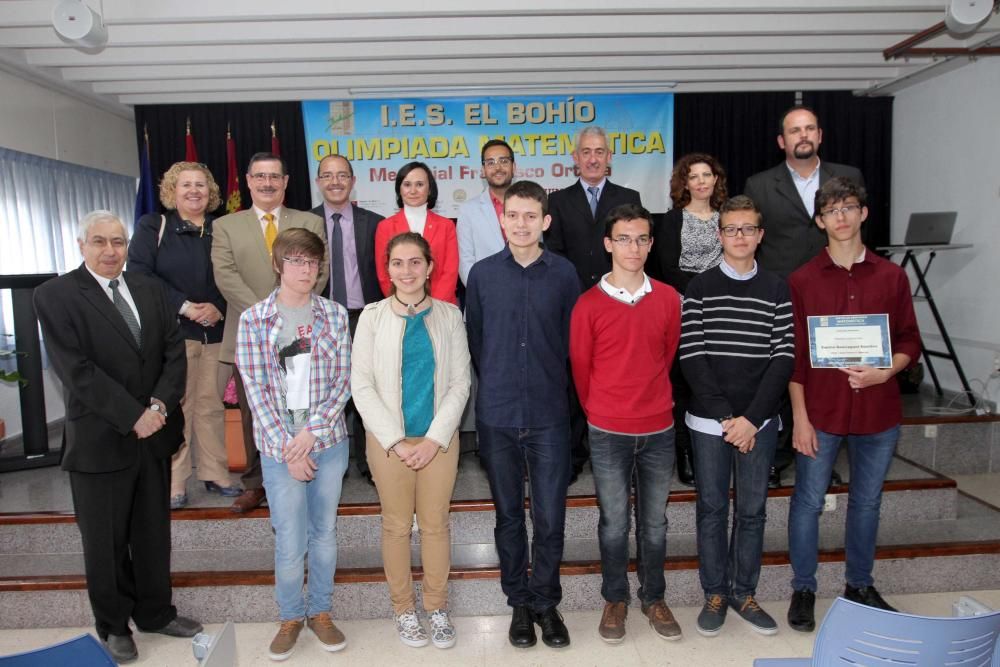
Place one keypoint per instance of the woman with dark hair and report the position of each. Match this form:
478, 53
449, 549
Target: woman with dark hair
410, 381
416, 194
687, 243
176, 249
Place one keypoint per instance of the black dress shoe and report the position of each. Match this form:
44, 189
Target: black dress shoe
867, 595
554, 632
121, 647
575, 475
774, 478
367, 474
179, 627
522, 630
801, 612
685, 466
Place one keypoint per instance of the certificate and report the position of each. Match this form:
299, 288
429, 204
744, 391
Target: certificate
839, 341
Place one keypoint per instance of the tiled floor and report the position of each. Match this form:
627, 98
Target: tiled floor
483, 641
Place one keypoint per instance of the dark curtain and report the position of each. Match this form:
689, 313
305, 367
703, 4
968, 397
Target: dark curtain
741, 130
250, 123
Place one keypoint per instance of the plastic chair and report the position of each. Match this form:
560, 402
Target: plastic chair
854, 634
82, 651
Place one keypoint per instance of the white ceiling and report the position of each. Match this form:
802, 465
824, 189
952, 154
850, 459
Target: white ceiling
188, 51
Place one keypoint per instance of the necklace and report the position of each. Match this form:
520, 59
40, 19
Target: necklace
411, 308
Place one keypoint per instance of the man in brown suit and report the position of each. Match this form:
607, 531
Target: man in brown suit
241, 259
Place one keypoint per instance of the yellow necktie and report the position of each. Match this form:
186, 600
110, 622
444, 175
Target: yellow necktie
270, 232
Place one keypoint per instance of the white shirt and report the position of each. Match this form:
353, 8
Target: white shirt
122, 289
416, 217
807, 187
622, 294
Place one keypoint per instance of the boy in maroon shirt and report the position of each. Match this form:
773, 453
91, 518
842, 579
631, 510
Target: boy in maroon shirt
623, 337
860, 403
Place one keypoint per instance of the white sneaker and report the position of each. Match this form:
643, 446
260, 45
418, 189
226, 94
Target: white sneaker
411, 632
442, 631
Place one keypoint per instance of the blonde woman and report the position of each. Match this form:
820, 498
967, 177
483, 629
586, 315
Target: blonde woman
410, 380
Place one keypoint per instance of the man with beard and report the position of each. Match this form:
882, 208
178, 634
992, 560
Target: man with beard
350, 234
241, 260
784, 194
480, 233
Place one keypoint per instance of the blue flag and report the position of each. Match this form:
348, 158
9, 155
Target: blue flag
145, 202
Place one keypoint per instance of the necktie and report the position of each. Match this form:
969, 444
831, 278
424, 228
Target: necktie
338, 282
593, 200
270, 232
126, 312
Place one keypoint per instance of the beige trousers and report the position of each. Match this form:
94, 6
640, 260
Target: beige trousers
428, 493
204, 420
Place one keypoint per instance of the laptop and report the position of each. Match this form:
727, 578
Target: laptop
928, 229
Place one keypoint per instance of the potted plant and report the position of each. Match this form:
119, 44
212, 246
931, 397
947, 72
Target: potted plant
235, 452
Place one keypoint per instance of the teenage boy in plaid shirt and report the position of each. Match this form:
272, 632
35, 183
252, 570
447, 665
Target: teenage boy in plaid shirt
293, 351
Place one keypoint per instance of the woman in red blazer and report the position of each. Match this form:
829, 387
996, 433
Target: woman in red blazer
416, 194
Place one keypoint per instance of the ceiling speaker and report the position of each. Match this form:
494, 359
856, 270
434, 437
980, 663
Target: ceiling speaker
79, 24
962, 17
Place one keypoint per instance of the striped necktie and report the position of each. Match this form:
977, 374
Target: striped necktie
126, 312
593, 200
270, 232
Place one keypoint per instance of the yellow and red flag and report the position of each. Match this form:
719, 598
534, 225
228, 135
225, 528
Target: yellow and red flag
190, 151
275, 144
233, 200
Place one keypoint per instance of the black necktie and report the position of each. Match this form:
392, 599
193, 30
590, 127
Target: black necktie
338, 283
126, 312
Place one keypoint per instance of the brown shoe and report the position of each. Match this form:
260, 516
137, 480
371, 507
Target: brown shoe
661, 619
284, 642
612, 627
248, 500
326, 632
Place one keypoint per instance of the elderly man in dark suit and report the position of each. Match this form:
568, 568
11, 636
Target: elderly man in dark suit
350, 237
784, 194
114, 342
577, 233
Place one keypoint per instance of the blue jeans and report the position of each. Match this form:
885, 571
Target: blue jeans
870, 456
304, 518
618, 461
730, 565
544, 453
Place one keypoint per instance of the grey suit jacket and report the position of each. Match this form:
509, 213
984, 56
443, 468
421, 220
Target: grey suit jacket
365, 224
478, 231
242, 264
791, 236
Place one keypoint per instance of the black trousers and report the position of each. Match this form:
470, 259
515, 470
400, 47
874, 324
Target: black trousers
359, 451
124, 520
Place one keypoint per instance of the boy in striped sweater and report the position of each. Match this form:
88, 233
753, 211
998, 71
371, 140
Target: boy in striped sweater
737, 352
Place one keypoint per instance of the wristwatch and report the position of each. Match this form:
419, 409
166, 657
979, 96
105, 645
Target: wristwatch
157, 407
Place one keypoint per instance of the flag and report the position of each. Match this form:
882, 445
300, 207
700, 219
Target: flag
275, 144
233, 202
190, 151
145, 202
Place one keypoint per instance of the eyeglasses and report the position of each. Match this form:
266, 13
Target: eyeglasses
341, 176
626, 241
299, 262
843, 210
494, 161
745, 230
264, 178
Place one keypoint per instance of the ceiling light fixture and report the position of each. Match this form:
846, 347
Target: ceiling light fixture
79, 24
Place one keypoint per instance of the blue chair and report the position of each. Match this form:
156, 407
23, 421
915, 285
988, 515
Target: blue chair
82, 651
853, 634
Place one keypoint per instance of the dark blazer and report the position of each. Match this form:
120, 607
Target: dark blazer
365, 224
182, 262
664, 259
577, 235
791, 237
107, 380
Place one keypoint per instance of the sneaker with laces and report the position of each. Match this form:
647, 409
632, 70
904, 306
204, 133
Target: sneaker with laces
328, 634
750, 611
612, 627
411, 632
442, 631
661, 619
284, 642
712, 616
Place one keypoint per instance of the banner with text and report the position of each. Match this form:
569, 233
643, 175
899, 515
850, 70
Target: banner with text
380, 136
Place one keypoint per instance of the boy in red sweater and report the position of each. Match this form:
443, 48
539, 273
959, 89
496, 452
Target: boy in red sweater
623, 337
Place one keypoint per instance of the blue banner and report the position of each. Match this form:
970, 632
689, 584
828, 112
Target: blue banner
380, 136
